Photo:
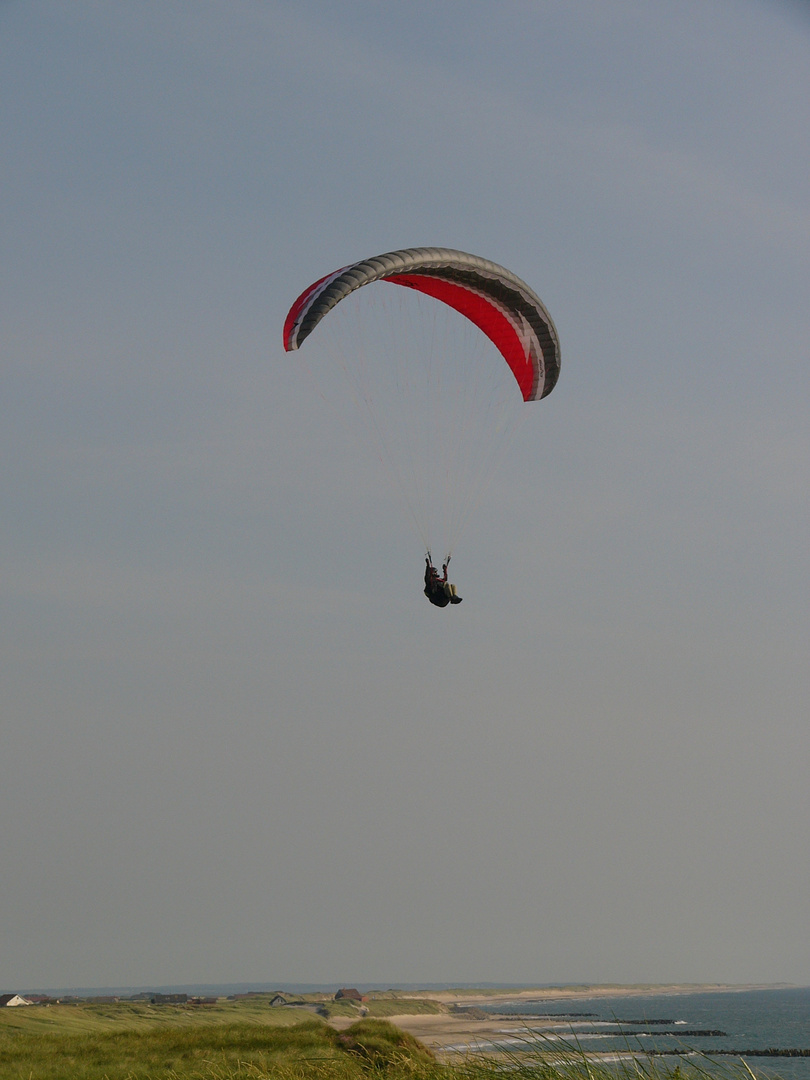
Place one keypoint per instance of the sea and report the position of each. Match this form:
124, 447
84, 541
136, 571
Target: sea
768, 1028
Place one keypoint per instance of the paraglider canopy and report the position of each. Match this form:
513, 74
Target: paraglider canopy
493, 298
439, 370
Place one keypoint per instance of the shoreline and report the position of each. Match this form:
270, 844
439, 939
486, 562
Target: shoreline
453, 1034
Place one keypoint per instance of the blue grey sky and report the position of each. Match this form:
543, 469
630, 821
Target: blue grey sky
237, 744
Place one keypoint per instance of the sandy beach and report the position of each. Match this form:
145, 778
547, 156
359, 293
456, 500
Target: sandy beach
454, 1032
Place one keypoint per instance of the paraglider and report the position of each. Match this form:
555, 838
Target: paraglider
439, 590
508, 313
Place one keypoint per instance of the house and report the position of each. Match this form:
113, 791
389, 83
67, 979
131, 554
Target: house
8, 1001
348, 993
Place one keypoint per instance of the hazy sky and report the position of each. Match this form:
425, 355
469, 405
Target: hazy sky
237, 743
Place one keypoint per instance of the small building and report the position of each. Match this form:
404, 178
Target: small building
10, 1001
348, 993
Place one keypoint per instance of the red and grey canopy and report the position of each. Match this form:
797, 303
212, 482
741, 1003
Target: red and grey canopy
493, 298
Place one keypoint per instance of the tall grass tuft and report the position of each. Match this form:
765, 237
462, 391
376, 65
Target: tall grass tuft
541, 1057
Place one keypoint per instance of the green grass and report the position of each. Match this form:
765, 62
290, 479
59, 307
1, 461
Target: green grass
140, 1015
403, 1007
538, 1057
212, 1052
249, 1040
380, 1007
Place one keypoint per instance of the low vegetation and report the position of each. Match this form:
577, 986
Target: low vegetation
380, 1007
74, 1019
539, 1058
211, 1052
251, 1040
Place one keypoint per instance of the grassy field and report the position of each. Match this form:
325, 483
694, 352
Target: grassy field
91, 1045
381, 1007
139, 1015
250, 1040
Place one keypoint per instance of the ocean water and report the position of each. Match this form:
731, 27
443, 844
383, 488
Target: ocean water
750, 1021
